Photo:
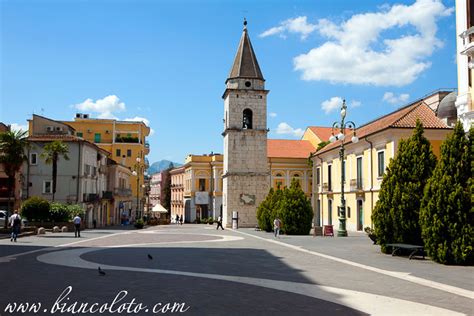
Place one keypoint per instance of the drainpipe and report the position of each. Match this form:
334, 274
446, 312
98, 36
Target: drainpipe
78, 172
371, 179
321, 208
28, 174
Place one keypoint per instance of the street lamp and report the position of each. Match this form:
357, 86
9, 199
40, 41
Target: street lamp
136, 172
341, 127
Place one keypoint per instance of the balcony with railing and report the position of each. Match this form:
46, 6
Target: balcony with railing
356, 185
122, 192
468, 42
90, 197
127, 139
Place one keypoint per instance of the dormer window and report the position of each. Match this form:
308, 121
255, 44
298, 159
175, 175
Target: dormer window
247, 119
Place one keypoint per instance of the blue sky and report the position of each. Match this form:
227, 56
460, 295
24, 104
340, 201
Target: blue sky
167, 61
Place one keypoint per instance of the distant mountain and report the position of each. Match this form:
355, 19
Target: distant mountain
161, 165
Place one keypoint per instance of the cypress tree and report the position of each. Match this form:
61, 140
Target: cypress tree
295, 210
446, 215
264, 212
396, 213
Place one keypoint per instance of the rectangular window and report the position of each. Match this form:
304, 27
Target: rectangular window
202, 184
381, 163
33, 159
79, 134
118, 153
329, 178
97, 138
359, 173
129, 153
47, 187
348, 212
318, 176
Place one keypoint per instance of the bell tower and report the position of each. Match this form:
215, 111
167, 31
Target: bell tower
246, 172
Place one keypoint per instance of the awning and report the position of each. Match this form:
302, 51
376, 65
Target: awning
159, 208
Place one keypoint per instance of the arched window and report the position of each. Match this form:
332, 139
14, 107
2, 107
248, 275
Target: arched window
247, 119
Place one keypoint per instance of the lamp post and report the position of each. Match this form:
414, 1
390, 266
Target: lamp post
341, 127
137, 170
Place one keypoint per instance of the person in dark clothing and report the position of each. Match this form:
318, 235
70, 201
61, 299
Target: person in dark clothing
181, 219
219, 223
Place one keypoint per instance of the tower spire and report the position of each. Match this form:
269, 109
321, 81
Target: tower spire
245, 62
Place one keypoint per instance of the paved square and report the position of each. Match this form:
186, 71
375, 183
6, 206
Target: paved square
201, 271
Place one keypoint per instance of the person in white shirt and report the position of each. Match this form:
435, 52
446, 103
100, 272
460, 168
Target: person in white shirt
77, 226
15, 224
277, 225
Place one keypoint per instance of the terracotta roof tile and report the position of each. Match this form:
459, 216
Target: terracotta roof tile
285, 148
322, 132
402, 118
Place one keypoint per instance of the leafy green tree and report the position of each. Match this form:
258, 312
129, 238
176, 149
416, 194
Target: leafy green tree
12, 156
295, 211
446, 215
51, 154
396, 213
36, 209
265, 211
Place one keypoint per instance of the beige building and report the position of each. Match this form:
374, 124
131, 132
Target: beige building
119, 187
125, 141
177, 192
366, 162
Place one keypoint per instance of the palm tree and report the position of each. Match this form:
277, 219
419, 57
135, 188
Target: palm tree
12, 156
51, 154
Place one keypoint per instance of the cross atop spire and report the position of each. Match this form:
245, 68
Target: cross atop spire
245, 62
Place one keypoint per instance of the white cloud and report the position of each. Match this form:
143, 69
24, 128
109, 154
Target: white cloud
105, 107
332, 104
355, 104
391, 98
297, 25
141, 119
358, 53
272, 114
285, 128
17, 127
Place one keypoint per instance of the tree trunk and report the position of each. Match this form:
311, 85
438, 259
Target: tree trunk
11, 191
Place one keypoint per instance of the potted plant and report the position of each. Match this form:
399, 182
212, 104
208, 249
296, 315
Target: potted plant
139, 224
371, 233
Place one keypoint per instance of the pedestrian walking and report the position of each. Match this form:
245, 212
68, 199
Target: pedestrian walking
181, 219
219, 223
94, 223
15, 224
177, 219
277, 227
77, 226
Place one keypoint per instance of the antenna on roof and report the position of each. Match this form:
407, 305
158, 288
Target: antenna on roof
42, 111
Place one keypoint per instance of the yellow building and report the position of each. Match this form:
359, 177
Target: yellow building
465, 62
365, 163
202, 187
288, 160
126, 143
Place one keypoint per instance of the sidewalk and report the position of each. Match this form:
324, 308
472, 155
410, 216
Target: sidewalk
358, 248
